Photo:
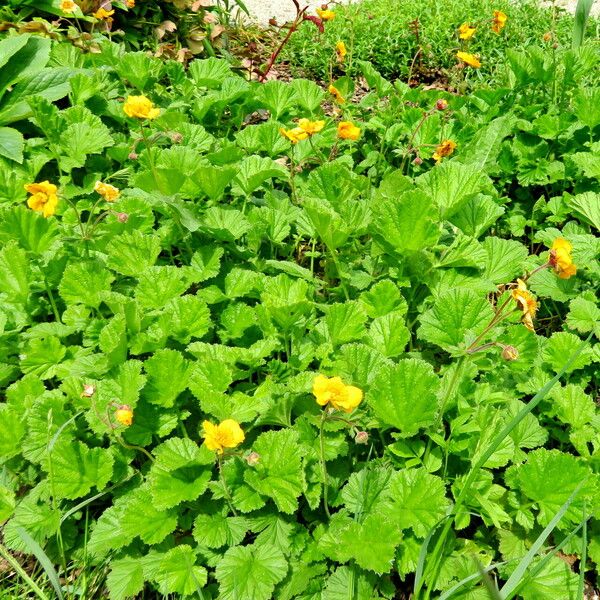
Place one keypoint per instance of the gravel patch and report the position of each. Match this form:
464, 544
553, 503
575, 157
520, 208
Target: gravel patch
284, 10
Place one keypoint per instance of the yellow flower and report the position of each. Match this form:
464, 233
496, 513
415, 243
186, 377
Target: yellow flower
294, 135
227, 434
326, 14
109, 192
526, 302
499, 21
130, 3
469, 59
331, 390
466, 32
68, 6
43, 197
340, 51
336, 94
140, 107
311, 127
446, 148
348, 131
124, 415
103, 14
560, 258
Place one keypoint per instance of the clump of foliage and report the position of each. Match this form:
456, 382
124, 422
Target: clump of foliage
402, 38
259, 340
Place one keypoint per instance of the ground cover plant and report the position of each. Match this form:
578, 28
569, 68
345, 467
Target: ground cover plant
268, 340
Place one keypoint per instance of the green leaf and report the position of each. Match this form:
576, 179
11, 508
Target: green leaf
11, 144
371, 544
406, 222
205, 263
484, 147
560, 346
14, 273
505, 259
210, 73
383, 298
216, 531
450, 184
22, 58
7, 503
556, 580
84, 282
345, 322
132, 252
389, 334
12, 430
113, 340
253, 171
465, 251
584, 316
226, 225
78, 140
367, 492
457, 316
29, 228
186, 318
250, 572
418, 500
548, 478
477, 215
213, 180
126, 578
42, 357
404, 395
179, 472
76, 469
158, 285
307, 94
277, 96
179, 574
168, 374
278, 475
573, 406
586, 207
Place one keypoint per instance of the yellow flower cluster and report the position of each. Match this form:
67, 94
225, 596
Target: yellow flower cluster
333, 391
43, 197
526, 302
227, 434
446, 148
305, 129
325, 14
560, 258
140, 107
337, 95
109, 192
499, 21
348, 131
469, 59
466, 32
124, 415
340, 51
68, 6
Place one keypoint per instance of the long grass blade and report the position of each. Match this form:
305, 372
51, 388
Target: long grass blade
582, 14
14, 563
581, 586
43, 559
471, 578
517, 577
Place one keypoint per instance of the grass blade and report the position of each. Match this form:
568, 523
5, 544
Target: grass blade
474, 577
43, 559
581, 587
582, 14
14, 563
517, 577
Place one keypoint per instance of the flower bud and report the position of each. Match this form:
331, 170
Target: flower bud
88, 390
253, 459
362, 437
122, 217
132, 156
417, 161
176, 137
124, 415
510, 353
441, 104
273, 22
547, 36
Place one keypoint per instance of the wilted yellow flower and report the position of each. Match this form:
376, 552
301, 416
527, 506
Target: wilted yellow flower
124, 415
510, 353
311, 127
88, 390
325, 14
340, 51
140, 107
294, 135
469, 59
466, 32
43, 197
227, 434
446, 148
109, 192
527, 303
68, 6
336, 94
103, 14
499, 21
348, 131
560, 258
332, 390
